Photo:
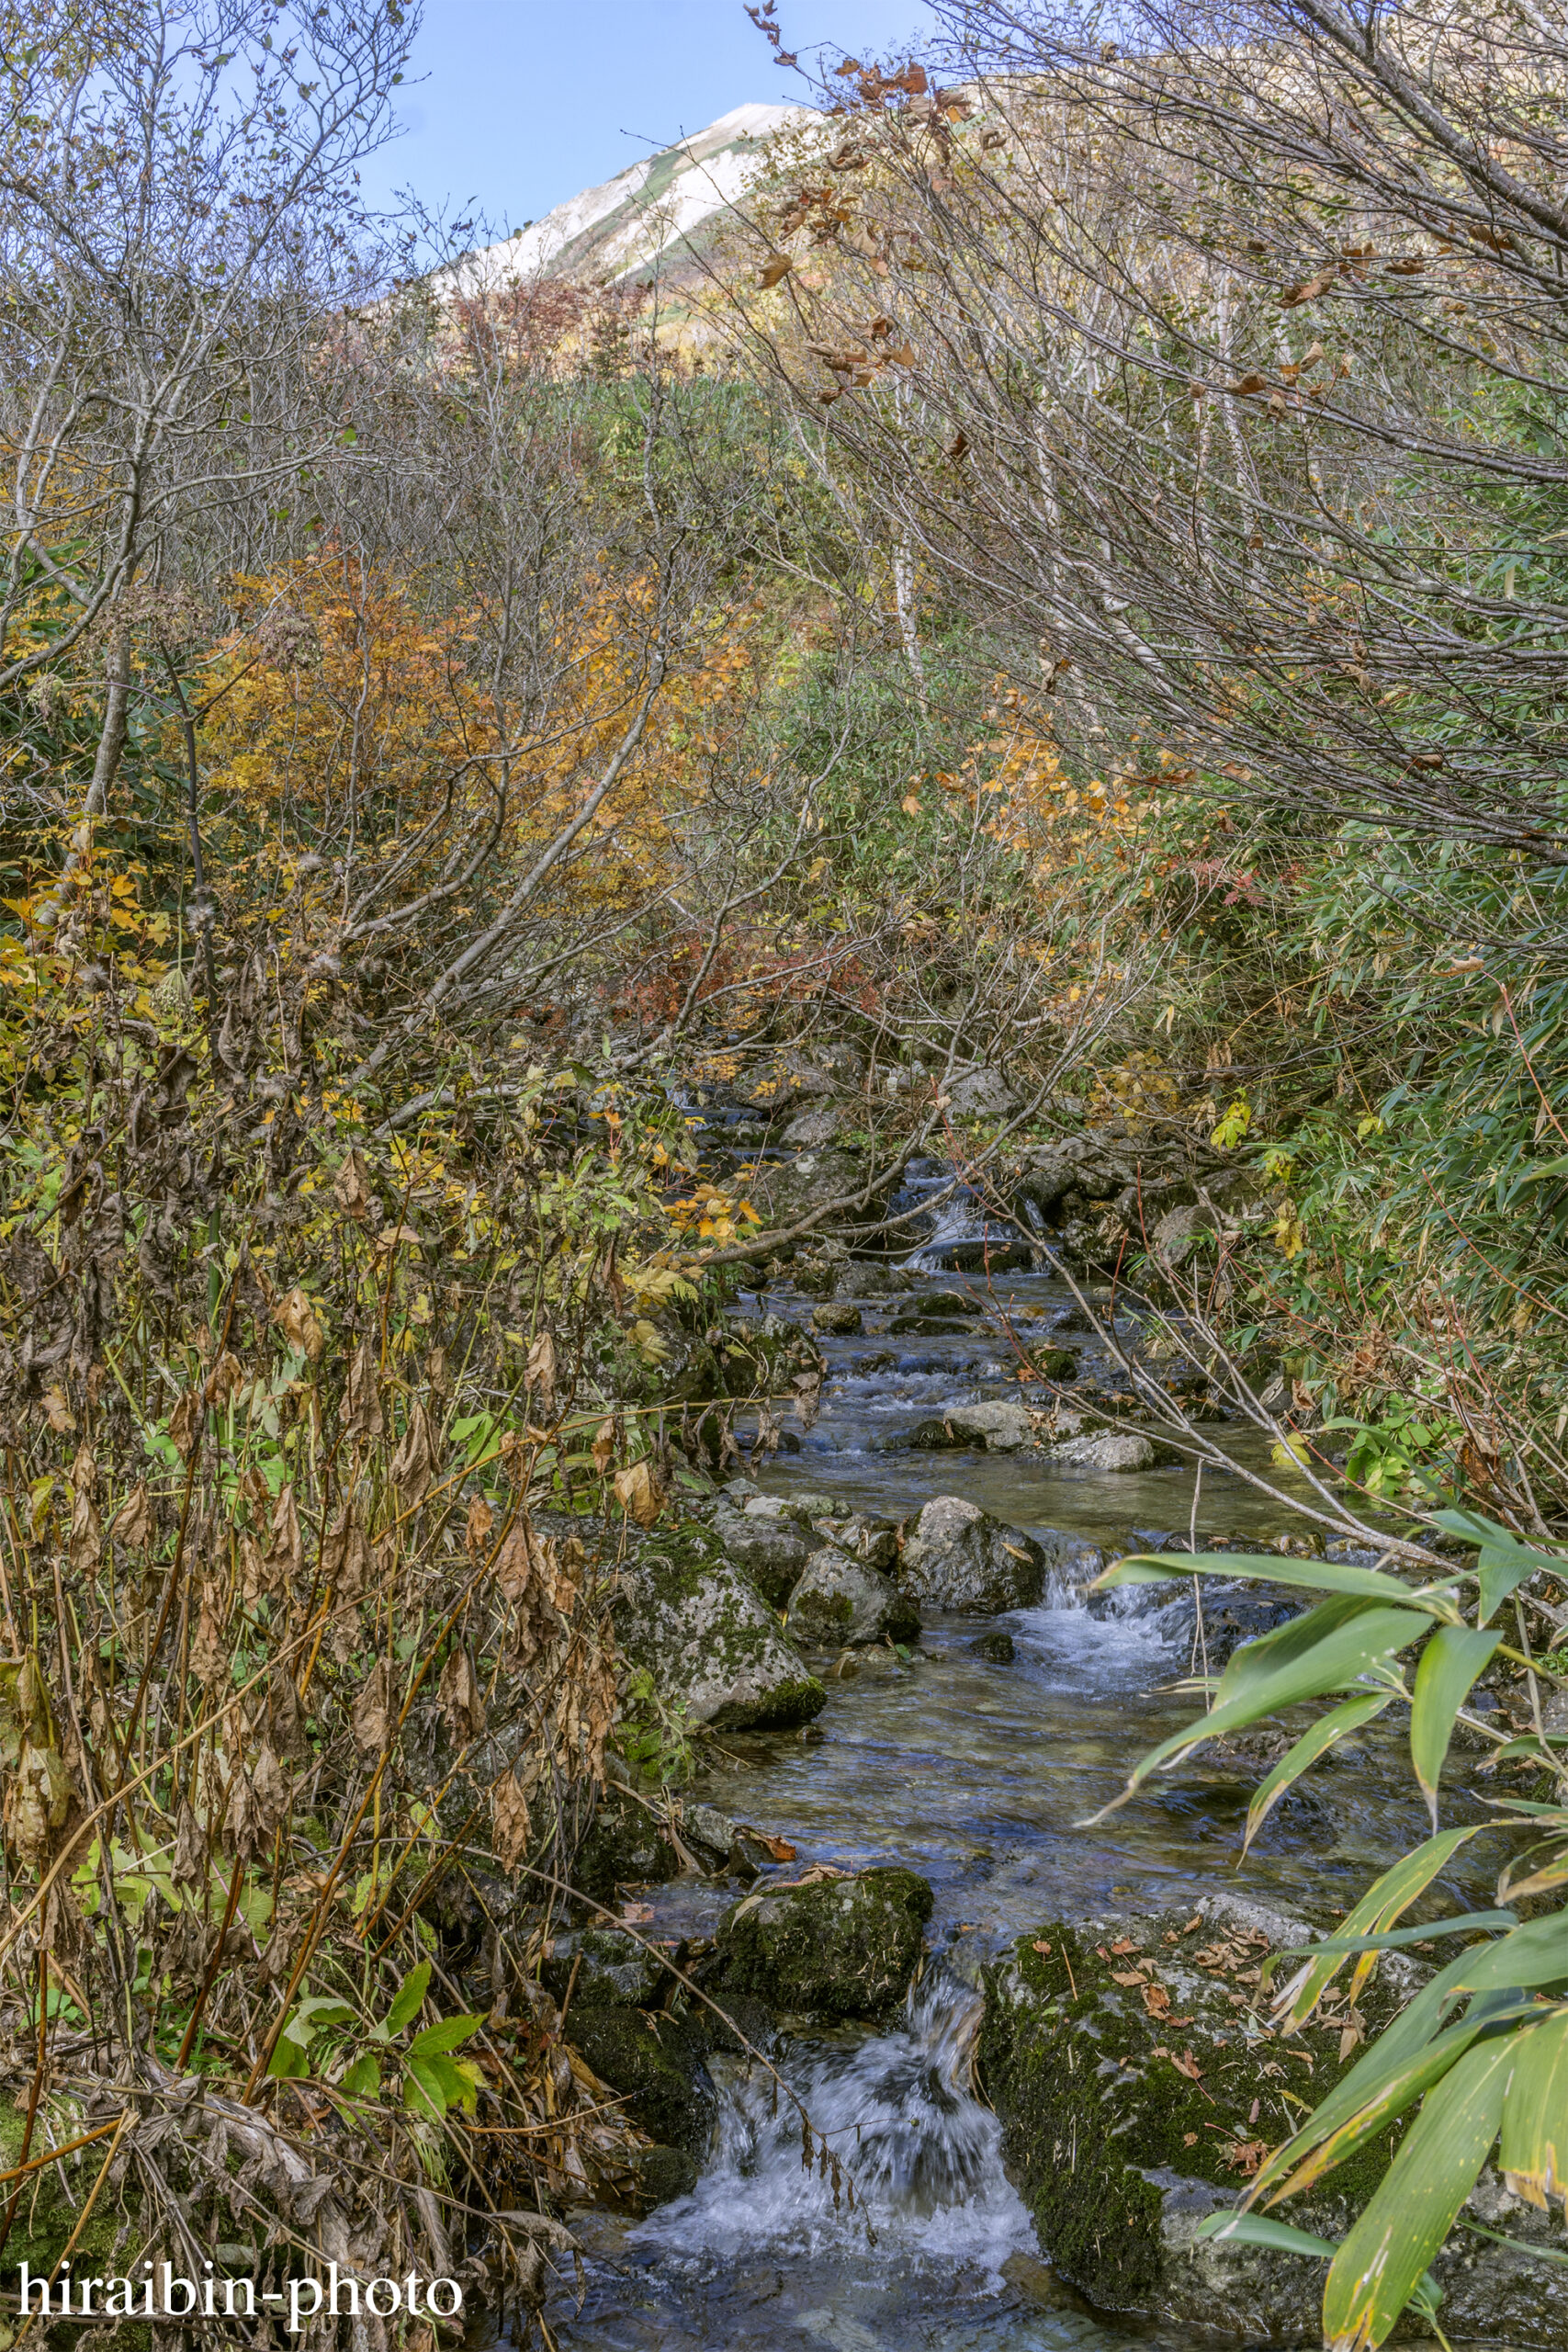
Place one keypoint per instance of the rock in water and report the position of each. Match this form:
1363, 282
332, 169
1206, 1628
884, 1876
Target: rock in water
840, 1603
767, 1541
1000, 1429
689, 1618
838, 1318
956, 1557
660, 2074
1109, 1450
1137, 2095
836, 1948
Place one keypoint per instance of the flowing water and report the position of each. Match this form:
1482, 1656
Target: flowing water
978, 1775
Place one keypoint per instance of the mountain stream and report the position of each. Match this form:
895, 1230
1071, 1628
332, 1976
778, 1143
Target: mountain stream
978, 1772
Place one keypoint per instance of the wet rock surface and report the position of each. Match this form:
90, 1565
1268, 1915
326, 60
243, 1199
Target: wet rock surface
688, 1616
1139, 2087
842, 1604
957, 1556
658, 2064
840, 1947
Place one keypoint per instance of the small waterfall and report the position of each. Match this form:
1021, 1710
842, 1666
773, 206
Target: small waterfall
898, 2112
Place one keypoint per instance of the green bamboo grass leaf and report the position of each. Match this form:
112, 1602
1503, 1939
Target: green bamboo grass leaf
1380, 2265
1533, 2156
1378, 1908
1397, 2047
1400, 2085
1269, 1568
1281, 2237
1504, 1562
1327, 1649
1254, 2229
1536, 1953
1392, 1938
1449, 1664
1324, 1734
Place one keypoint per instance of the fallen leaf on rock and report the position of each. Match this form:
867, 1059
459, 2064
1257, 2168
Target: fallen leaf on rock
1045, 1948
1187, 2065
1157, 2000
636, 1913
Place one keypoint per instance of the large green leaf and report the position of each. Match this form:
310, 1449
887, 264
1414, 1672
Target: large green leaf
1324, 1734
1533, 2156
1399, 2085
1398, 2048
1378, 1908
1271, 1567
449, 2033
1449, 1664
424, 2090
1504, 1562
408, 1999
1393, 1939
1380, 2265
1536, 1953
1327, 1649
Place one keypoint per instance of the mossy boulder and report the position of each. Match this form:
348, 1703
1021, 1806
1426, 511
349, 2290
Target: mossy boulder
688, 1617
1138, 2085
831, 1947
769, 1541
624, 1847
957, 1556
840, 1603
603, 1968
657, 2063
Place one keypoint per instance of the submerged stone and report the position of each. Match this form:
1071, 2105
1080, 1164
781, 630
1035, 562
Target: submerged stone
835, 1947
1109, 1450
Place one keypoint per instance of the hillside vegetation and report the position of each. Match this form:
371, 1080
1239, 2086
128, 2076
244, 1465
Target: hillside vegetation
1059, 647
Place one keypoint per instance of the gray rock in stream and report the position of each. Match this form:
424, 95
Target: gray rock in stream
842, 1604
956, 1556
1135, 2091
689, 1617
1001, 1428
770, 1545
828, 1948
1109, 1450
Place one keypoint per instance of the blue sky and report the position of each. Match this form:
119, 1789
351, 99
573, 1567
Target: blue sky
513, 108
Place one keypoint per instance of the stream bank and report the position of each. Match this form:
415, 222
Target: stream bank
970, 1760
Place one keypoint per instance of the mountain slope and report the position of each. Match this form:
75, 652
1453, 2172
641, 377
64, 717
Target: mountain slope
640, 217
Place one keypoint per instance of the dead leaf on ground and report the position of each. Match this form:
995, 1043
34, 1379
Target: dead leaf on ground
1157, 2000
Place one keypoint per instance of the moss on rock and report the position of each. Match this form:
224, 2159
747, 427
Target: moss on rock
1137, 2088
657, 2065
838, 1948
689, 1617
